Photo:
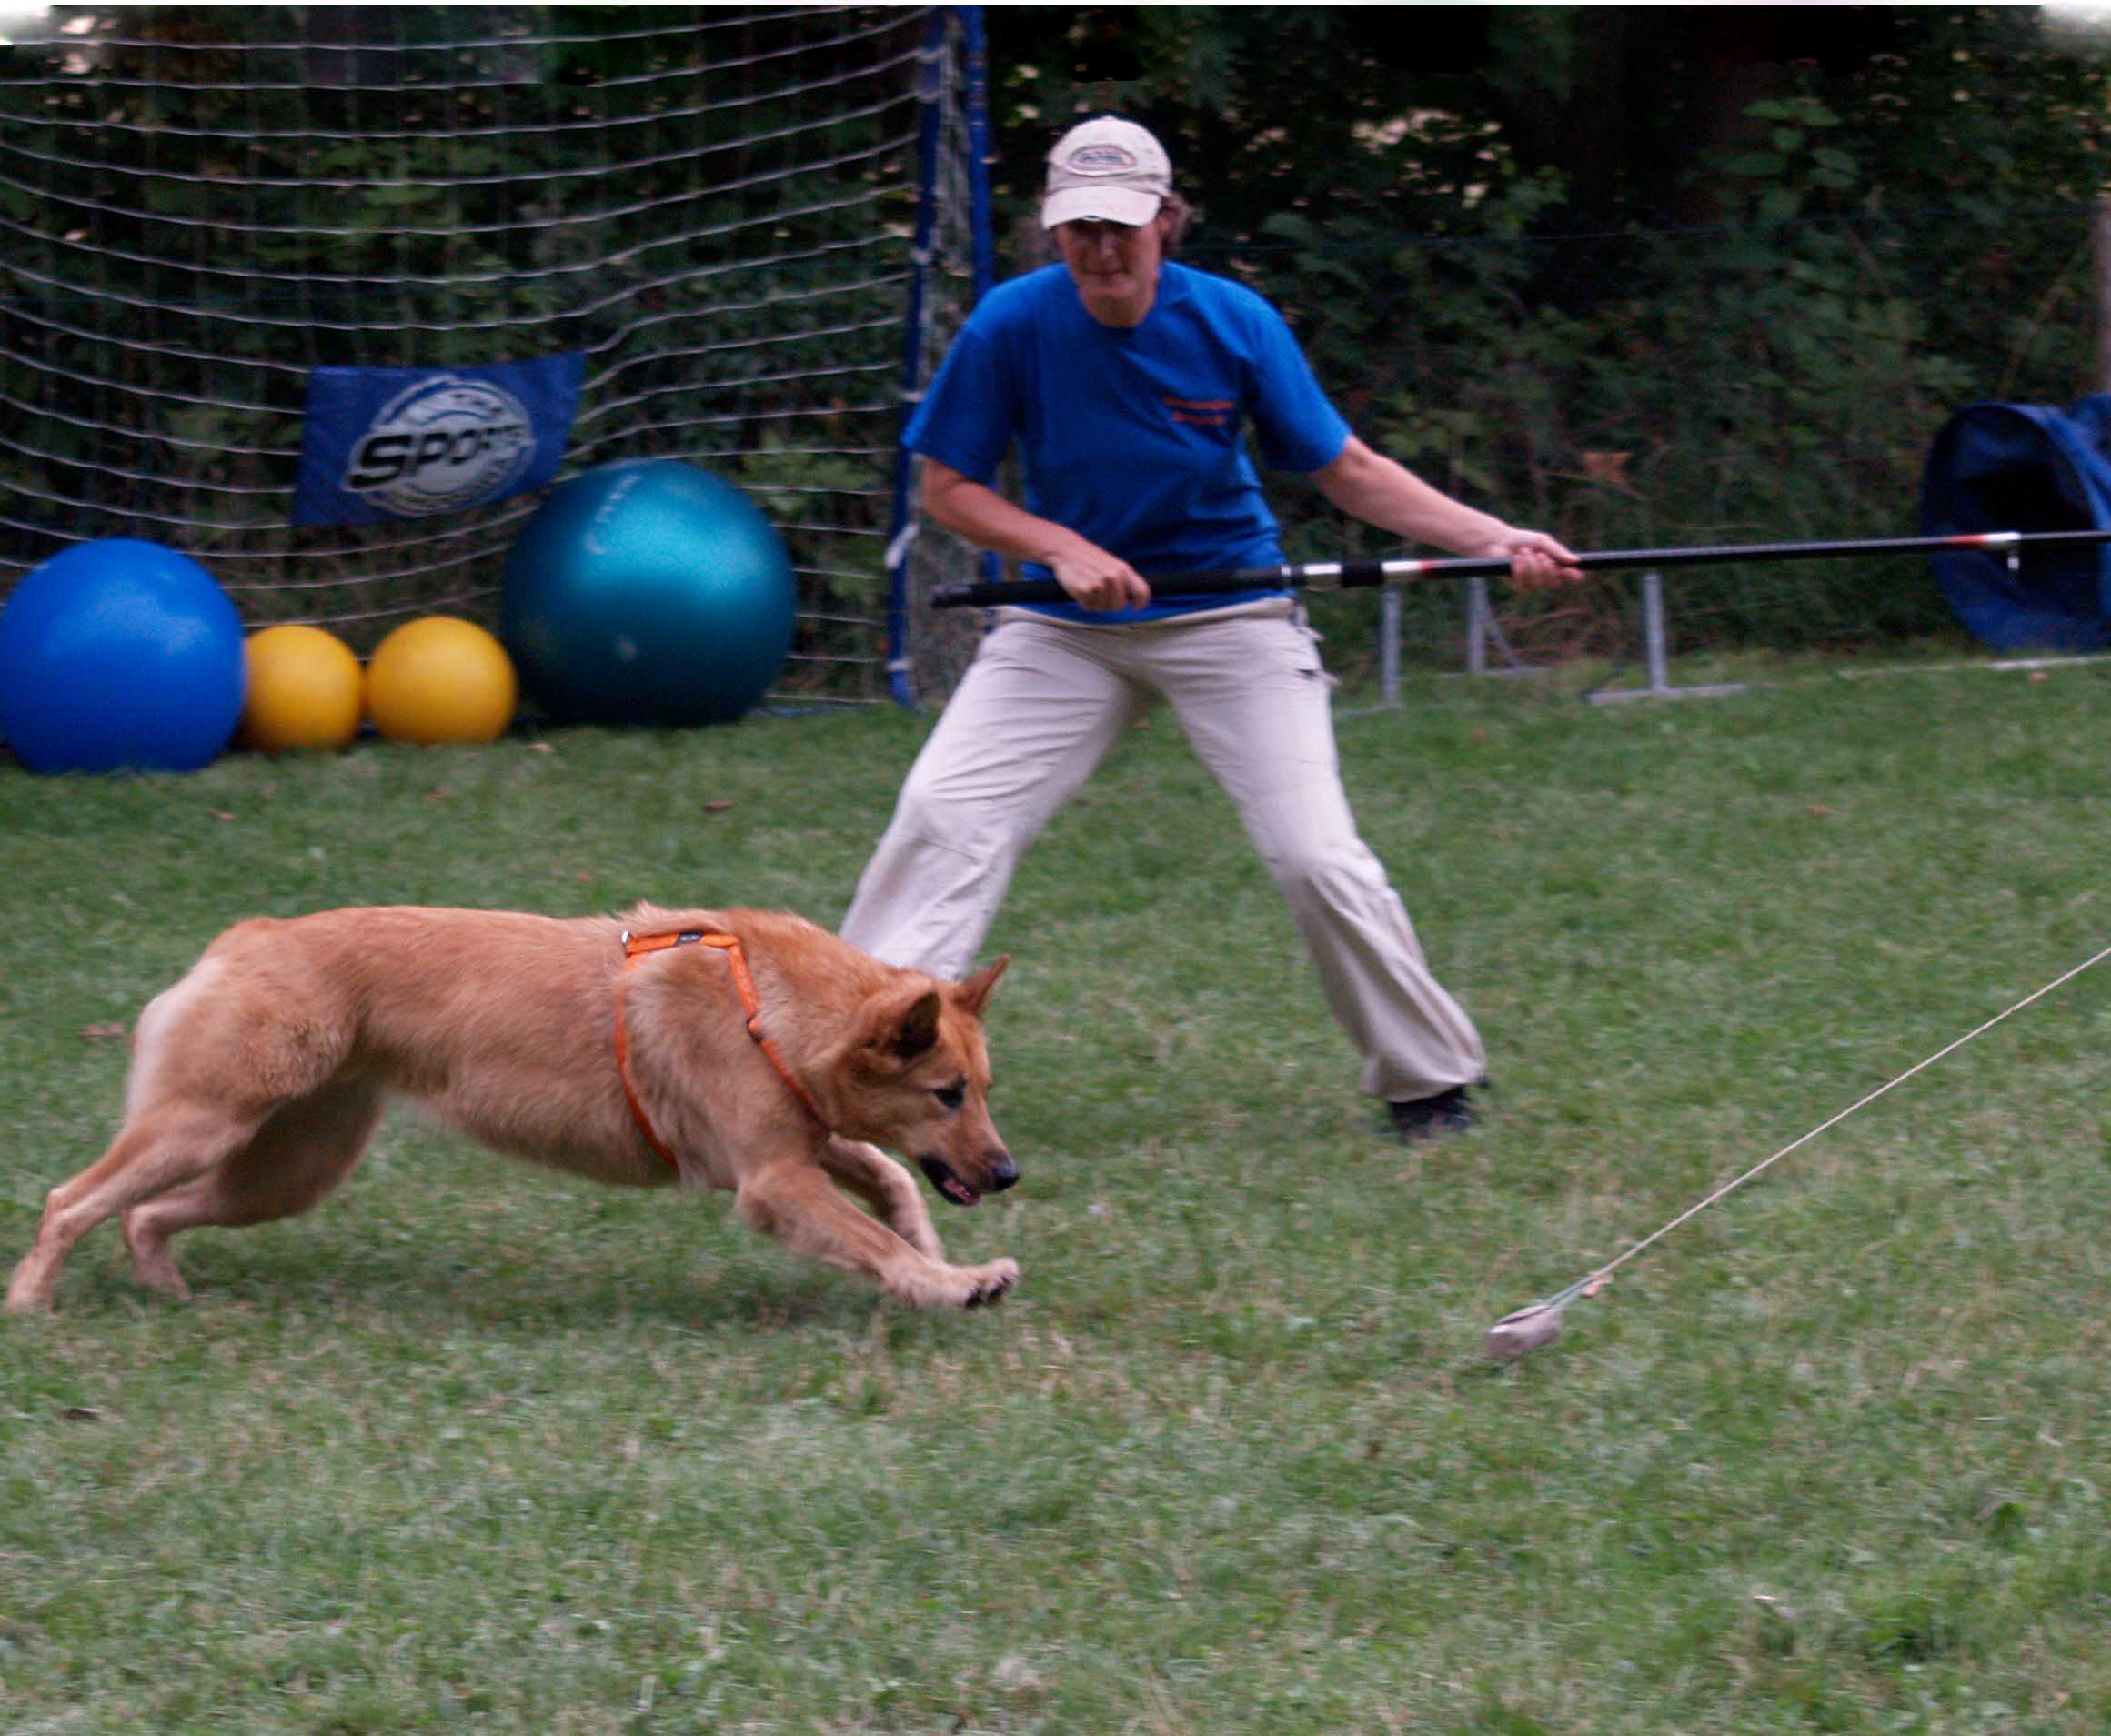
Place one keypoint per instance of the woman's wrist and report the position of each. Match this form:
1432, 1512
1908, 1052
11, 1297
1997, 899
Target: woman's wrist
1065, 545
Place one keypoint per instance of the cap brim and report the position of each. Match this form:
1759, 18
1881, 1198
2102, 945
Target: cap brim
1099, 203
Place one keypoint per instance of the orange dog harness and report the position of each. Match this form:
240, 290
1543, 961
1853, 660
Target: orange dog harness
634, 947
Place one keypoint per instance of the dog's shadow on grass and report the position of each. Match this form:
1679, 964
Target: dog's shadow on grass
426, 1292
415, 1250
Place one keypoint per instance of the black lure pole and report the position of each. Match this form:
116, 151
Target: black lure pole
1351, 575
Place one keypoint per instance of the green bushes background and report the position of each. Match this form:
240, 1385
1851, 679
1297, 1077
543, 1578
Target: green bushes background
1734, 301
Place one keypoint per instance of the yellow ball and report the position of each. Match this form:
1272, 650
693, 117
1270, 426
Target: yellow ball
440, 679
305, 690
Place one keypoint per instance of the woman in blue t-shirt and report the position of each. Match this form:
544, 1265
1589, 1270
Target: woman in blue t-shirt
1128, 383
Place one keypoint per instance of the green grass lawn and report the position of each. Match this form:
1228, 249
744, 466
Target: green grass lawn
477, 1447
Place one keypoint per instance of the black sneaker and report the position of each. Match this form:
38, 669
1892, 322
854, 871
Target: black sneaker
1433, 1117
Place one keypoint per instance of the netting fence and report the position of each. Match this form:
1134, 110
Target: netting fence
718, 208
760, 227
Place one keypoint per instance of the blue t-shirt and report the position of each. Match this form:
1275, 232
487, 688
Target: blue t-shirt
1134, 437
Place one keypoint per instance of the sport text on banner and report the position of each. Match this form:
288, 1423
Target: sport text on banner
386, 443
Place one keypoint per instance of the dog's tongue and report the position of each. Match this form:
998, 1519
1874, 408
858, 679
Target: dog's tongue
942, 1177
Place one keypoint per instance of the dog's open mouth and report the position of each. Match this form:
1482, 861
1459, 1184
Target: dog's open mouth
948, 1183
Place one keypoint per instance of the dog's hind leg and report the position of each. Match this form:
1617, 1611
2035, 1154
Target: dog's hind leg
304, 1149
888, 1188
162, 1147
794, 1200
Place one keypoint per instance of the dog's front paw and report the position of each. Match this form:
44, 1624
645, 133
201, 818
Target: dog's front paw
938, 1286
990, 1282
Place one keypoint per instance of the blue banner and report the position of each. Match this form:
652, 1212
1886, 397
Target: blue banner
387, 443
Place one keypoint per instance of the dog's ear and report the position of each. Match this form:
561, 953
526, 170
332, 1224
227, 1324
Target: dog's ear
902, 1031
975, 991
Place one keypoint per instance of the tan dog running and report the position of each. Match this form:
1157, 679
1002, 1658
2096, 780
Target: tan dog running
257, 1079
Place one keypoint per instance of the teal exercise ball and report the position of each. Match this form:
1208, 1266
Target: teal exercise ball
648, 592
119, 654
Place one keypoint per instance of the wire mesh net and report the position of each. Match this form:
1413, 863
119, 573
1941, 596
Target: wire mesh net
713, 205
718, 210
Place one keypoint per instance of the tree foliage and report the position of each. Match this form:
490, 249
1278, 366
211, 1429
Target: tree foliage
1640, 274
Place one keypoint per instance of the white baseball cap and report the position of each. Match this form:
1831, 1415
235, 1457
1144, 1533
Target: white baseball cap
1109, 169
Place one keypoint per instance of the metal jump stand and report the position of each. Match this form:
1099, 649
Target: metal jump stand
1481, 631
1655, 651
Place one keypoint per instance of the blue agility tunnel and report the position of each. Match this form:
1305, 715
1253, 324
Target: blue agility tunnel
2024, 467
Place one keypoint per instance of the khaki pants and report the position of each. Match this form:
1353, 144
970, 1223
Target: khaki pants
1038, 709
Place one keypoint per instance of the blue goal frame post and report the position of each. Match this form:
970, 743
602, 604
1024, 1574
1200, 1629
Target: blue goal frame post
955, 91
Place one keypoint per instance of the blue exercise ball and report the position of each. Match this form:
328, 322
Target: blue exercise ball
648, 592
119, 654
